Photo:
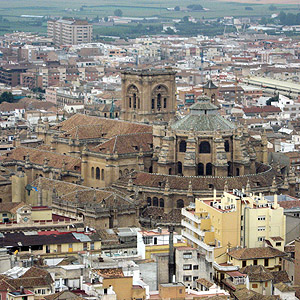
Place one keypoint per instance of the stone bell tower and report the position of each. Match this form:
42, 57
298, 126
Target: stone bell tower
148, 95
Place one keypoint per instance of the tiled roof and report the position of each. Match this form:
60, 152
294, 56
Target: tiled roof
257, 273
245, 294
261, 109
252, 253
280, 276
128, 143
202, 182
108, 127
10, 207
205, 282
37, 156
110, 272
289, 204
284, 288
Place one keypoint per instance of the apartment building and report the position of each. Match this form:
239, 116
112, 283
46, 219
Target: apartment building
69, 32
236, 219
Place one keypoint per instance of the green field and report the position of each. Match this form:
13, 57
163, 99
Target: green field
12, 10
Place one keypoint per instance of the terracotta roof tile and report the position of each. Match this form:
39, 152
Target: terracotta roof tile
37, 156
252, 253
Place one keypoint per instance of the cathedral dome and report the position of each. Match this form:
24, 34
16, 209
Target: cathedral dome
204, 116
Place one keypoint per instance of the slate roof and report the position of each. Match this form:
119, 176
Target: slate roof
210, 85
16, 239
203, 122
253, 253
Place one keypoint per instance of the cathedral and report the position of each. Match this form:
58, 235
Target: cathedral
152, 159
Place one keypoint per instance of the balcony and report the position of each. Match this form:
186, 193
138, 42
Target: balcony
190, 237
192, 228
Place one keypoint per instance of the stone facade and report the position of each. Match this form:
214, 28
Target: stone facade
148, 96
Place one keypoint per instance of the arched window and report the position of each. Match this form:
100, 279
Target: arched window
226, 146
179, 167
120, 174
204, 147
130, 102
126, 171
149, 201
165, 102
102, 174
134, 101
155, 201
92, 172
97, 173
158, 101
209, 169
200, 169
237, 172
180, 203
139, 103
170, 171
182, 146
229, 168
152, 104
161, 202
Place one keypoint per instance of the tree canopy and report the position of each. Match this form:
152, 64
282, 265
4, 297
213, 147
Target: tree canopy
6, 97
118, 13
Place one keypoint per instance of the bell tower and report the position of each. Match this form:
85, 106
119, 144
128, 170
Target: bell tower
148, 95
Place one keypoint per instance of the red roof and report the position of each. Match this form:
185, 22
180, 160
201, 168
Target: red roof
261, 109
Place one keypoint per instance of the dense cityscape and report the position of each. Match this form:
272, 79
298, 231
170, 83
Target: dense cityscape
151, 156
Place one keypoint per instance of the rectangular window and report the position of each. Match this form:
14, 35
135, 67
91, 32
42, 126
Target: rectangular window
92, 246
187, 255
153, 104
84, 246
195, 267
266, 262
266, 284
244, 263
187, 278
261, 238
255, 262
254, 285
187, 267
278, 244
261, 218
261, 228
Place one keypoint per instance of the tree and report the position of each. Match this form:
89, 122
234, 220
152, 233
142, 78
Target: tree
272, 7
282, 17
195, 7
185, 19
118, 13
105, 19
7, 97
177, 8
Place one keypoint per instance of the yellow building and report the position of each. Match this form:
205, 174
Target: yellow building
150, 242
122, 285
234, 220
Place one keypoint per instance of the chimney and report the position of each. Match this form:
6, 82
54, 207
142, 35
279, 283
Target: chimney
215, 194
171, 254
22, 291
